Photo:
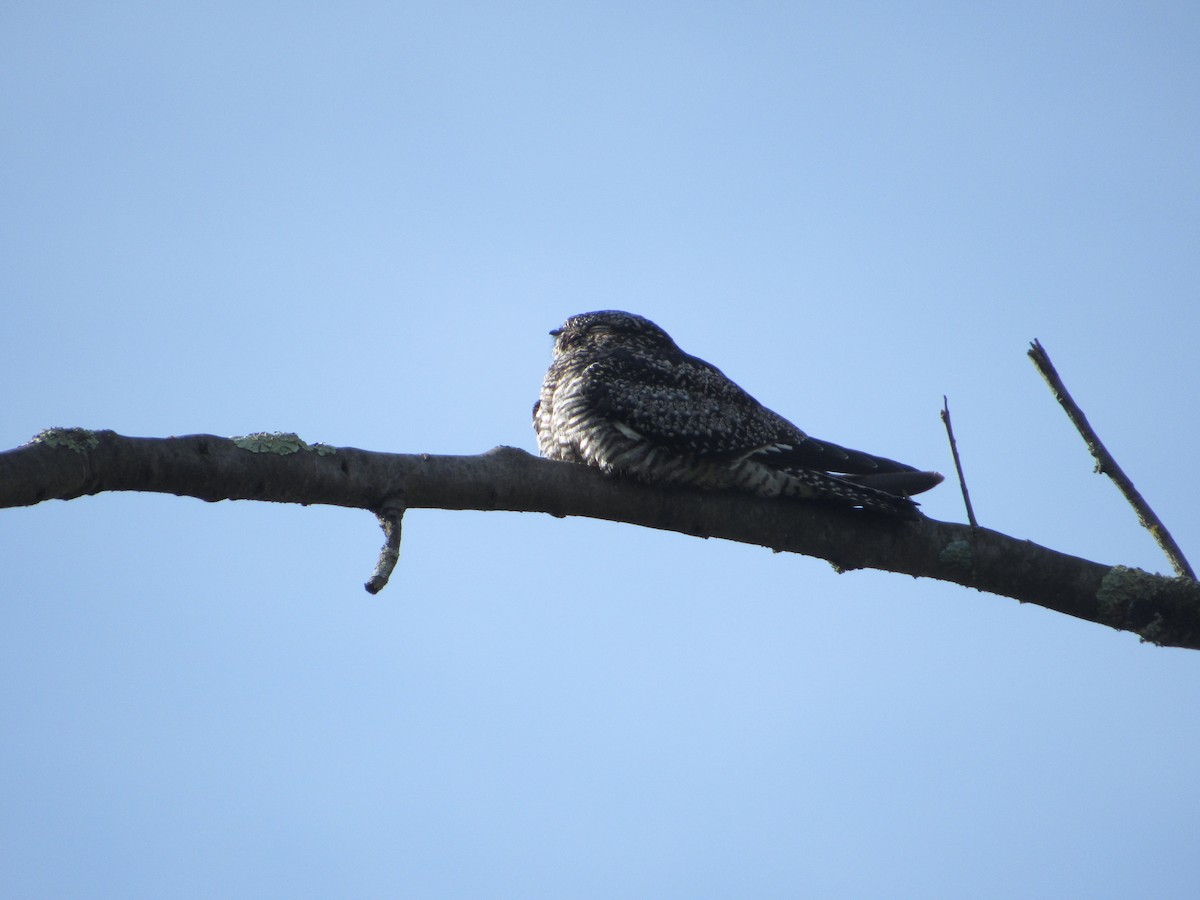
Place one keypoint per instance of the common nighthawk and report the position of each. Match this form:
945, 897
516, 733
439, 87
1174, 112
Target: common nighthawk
622, 396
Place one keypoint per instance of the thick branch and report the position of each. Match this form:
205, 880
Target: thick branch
65, 464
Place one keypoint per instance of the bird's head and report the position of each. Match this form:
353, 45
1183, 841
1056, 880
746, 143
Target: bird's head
608, 329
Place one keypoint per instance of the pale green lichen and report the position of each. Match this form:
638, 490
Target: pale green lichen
282, 443
957, 555
80, 440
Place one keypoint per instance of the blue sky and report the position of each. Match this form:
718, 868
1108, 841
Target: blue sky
358, 222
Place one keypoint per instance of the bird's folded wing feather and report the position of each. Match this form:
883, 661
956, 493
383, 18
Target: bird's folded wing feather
690, 406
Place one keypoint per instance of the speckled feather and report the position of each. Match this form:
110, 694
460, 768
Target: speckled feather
622, 396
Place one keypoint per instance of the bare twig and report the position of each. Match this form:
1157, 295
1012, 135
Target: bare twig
1105, 464
962, 482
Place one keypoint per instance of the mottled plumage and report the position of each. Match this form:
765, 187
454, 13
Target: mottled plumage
620, 395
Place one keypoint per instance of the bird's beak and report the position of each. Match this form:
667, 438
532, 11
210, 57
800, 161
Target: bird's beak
555, 332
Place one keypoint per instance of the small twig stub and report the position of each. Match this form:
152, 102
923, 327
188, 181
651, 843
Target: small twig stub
391, 518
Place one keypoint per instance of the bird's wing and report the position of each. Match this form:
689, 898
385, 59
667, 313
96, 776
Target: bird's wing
828, 457
685, 405
690, 406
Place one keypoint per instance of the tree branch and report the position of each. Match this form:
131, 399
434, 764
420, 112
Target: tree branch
68, 463
1106, 464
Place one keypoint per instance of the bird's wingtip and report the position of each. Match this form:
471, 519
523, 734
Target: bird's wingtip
903, 484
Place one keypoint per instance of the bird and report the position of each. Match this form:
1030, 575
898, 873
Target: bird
622, 396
